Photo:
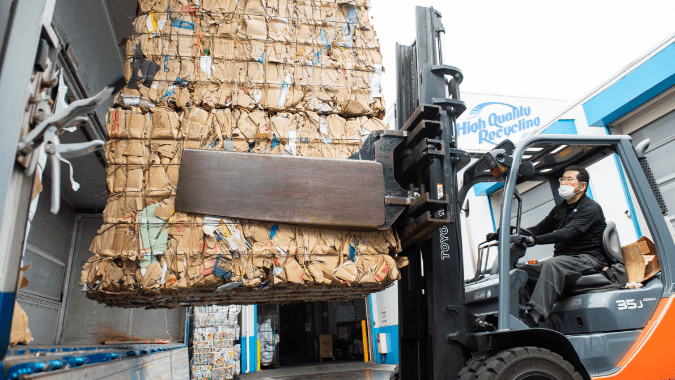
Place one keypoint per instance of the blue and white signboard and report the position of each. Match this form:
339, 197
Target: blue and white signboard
490, 119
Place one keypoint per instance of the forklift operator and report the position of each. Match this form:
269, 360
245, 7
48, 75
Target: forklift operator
575, 227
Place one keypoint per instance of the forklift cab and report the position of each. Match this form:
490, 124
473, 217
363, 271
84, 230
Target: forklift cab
614, 278
591, 313
545, 164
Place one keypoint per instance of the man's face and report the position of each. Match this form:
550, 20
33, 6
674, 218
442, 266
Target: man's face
570, 179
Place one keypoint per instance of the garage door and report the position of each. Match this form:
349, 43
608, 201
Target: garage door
660, 156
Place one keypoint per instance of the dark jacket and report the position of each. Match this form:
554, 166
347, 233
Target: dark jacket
574, 229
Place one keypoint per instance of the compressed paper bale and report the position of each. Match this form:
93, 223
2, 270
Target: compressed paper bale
249, 76
338, 58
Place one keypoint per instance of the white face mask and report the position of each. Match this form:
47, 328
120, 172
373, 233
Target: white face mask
566, 192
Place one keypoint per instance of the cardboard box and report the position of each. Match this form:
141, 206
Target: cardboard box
326, 346
343, 333
640, 260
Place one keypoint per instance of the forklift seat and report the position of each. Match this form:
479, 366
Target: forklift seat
611, 247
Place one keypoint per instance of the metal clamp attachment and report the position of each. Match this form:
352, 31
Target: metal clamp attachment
60, 152
47, 133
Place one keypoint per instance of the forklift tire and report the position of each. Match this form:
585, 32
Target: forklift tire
472, 366
520, 363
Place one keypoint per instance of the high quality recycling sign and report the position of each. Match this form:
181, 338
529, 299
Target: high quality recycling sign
490, 119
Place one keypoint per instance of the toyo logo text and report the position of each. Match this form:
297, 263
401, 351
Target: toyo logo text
502, 124
445, 247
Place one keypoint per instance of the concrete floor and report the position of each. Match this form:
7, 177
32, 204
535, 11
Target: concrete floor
331, 371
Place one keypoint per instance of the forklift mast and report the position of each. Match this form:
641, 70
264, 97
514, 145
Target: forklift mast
432, 317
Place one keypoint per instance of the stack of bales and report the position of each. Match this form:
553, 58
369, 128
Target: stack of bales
297, 77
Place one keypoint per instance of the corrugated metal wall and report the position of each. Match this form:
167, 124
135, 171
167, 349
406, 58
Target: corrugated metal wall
662, 145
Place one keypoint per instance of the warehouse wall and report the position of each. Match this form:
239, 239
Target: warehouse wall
85, 317
384, 320
57, 247
47, 250
86, 27
249, 339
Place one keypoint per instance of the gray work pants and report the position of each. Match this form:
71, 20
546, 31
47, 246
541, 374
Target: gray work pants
548, 279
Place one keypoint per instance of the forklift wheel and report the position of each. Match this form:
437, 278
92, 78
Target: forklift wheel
469, 371
520, 363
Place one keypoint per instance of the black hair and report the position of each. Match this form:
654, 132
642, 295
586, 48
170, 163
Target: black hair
583, 175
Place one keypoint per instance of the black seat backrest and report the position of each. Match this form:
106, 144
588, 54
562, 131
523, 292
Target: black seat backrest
611, 245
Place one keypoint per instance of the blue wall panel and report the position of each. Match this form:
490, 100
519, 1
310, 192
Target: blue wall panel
253, 342
244, 342
253, 353
486, 188
6, 314
391, 357
561, 127
642, 84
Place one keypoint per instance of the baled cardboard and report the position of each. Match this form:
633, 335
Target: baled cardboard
309, 87
382, 272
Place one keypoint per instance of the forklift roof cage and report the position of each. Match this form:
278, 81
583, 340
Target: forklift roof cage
621, 145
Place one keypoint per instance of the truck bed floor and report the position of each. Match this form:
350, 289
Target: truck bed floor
350, 371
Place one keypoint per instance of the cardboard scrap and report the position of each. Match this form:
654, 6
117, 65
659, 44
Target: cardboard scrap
154, 235
19, 331
641, 260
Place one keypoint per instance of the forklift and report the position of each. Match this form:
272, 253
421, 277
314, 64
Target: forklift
408, 179
453, 329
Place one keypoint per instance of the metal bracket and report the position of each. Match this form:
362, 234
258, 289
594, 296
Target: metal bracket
451, 71
69, 116
381, 146
464, 323
59, 152
393, 200
47, 133
461, 157
419, 166
453, 106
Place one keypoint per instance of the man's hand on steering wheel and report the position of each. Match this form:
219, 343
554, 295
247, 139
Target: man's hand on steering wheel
526, 238
527, 241
530, 242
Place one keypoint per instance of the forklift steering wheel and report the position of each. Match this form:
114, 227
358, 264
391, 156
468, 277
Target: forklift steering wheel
524, 232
